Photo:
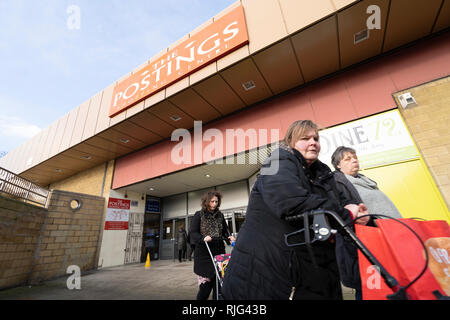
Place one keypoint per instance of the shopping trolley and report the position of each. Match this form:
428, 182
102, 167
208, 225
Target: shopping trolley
319, 229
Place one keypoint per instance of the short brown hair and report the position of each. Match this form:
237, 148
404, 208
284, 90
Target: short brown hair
338, 155
297, 130
206, 198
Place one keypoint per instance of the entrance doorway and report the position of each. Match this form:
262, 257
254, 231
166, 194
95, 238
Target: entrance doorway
178, 224
169, 248
167, 240
151, 236
234, 218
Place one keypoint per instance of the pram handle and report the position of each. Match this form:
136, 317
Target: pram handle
222, 238
218, 238
321, 225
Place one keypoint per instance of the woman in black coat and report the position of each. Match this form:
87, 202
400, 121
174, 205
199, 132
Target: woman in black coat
292, 181
181, 243
346, 250
208, 225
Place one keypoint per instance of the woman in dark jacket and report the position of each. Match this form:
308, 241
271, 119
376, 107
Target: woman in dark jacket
208, 225
181, 244
346, 250
292, 181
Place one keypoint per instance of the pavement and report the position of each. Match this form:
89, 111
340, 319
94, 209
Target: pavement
164, 280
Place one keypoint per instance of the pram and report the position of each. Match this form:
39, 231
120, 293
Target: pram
320, 230
220, 263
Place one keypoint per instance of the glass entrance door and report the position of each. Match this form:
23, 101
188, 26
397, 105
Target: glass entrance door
234, 219
169, 249
167, 243
178, 223
151, 236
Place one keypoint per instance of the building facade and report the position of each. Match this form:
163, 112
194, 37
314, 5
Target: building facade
205, 112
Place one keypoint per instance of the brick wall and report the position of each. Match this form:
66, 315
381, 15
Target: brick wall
20, 229
39, 244
428, 123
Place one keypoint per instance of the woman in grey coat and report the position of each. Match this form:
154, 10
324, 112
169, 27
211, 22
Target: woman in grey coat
358, 186
360, 189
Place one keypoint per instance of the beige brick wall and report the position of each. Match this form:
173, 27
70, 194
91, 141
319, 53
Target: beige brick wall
69, 237
429, 124
88, 181
38, 244
20, 229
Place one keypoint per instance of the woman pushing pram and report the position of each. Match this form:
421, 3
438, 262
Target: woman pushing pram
208, 230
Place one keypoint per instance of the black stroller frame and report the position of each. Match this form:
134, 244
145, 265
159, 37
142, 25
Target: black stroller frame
322, 232
219, 280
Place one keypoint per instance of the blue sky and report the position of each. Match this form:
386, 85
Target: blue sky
48, 68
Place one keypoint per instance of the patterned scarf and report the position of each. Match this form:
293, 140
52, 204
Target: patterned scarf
211, 224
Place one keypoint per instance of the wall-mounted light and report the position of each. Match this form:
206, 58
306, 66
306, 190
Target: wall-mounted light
407, 100
75, 204
126, 195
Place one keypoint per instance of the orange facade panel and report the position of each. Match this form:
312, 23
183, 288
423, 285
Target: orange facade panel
224, 35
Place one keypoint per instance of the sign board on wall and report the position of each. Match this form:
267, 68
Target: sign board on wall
217, 39
152, 205
117, 214
378, 140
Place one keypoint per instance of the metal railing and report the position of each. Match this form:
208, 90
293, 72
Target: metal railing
23, 189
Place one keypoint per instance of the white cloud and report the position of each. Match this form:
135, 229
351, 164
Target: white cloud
16, 127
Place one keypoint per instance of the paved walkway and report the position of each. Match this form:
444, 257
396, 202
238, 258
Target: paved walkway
164, 280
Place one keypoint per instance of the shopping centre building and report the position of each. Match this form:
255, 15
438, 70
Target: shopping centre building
373, 74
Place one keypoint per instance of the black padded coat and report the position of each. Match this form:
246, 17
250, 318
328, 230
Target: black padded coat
261, 265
